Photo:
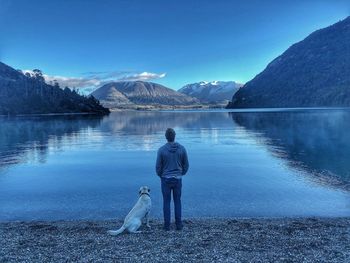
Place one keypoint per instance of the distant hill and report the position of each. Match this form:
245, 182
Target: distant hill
312, 73
211, 92
129, 93
29, 94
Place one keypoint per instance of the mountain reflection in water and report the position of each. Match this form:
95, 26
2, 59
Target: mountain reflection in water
316, 141
28, 139
246, 164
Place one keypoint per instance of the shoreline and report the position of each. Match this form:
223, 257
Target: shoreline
201, 240
221, 107
200, 108
54, 114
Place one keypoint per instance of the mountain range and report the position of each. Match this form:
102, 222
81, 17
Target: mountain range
29, 94
211, 92
133, 93
23, 92
314, 72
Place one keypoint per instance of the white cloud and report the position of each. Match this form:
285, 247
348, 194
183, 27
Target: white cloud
73, 81
93, 80
145, 76
69, 81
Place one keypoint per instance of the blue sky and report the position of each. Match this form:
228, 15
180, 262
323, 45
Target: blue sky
170, 42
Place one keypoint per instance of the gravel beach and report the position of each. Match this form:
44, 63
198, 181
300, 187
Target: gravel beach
201, 240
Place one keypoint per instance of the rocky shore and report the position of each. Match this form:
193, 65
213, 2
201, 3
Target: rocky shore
201, 240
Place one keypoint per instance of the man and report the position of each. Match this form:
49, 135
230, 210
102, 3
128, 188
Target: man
172, 164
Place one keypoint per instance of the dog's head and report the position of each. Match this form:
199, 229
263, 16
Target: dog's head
144, 190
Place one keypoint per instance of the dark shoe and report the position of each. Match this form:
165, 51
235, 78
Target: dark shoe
179, 227
166, 228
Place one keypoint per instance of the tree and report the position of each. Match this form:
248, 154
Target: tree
38, 75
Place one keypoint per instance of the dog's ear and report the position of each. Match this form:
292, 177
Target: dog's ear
149, 190
139, 192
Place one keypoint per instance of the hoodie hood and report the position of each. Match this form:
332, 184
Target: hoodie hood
172, 146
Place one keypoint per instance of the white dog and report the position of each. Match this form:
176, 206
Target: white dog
138, 213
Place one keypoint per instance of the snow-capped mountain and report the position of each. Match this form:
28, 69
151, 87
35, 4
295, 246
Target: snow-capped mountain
128, 93
211, 92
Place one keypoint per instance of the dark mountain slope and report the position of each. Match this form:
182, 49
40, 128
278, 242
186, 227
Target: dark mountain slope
312, 73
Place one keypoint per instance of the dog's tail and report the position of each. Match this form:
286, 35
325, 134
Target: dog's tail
116, 232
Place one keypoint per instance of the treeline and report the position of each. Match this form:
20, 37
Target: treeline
29, 94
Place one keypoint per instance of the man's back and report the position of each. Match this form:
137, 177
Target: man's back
172, 160
171, 165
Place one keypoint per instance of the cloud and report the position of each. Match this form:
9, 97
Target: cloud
124, 76
145, 76
93, 80
73, 82
69, 81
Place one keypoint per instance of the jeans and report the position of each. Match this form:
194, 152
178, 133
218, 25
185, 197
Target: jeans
171, 185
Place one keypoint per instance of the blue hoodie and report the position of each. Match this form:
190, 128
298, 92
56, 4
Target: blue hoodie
172, 161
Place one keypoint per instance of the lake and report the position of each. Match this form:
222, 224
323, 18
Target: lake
253, 163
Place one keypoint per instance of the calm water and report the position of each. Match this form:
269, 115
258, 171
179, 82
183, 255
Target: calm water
262, 163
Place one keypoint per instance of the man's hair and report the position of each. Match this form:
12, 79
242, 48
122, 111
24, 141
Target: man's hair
170, 135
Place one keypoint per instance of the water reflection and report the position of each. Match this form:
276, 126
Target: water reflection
134, 130
84, 167
29, 139
134, 122
315, 141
